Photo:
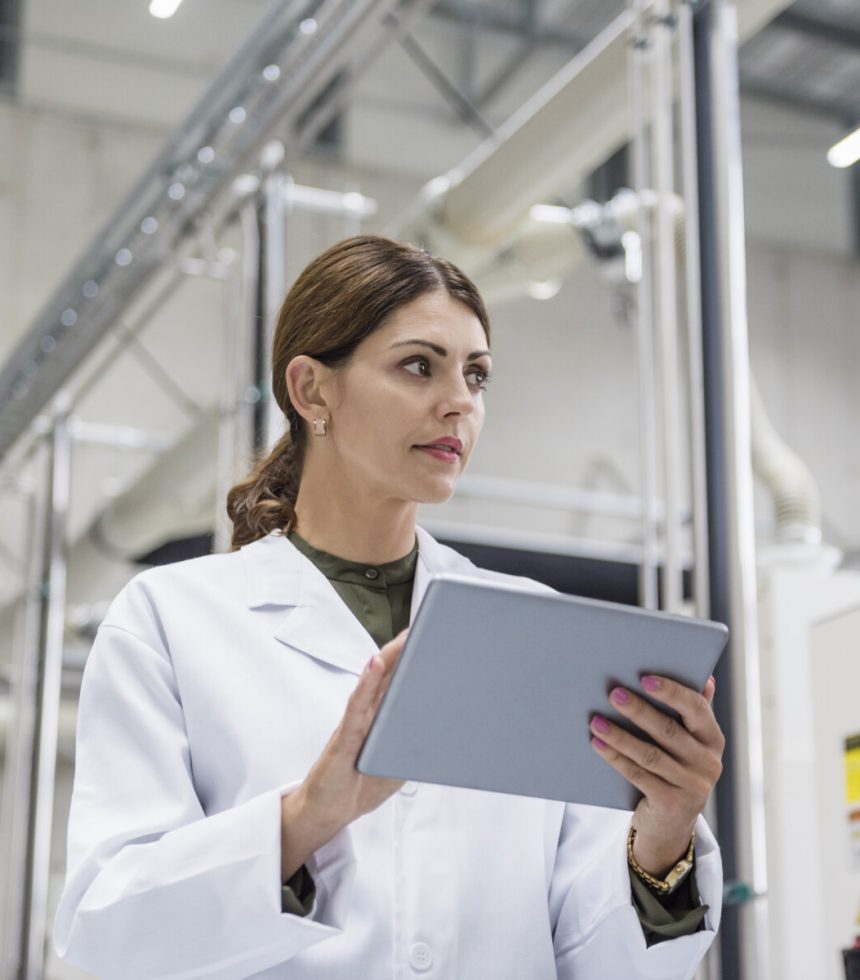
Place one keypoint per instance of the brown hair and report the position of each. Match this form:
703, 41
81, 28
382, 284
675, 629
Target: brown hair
337, 301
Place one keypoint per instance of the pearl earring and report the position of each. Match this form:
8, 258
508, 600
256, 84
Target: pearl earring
319, 427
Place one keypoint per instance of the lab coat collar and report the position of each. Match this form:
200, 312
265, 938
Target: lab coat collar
318, 623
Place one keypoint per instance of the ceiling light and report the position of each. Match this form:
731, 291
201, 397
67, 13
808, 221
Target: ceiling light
846, 152
164, 8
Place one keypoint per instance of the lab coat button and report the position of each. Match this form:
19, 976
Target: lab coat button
408, 789
421, 957
372, 573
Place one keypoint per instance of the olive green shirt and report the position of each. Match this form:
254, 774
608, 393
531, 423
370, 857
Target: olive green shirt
380, 597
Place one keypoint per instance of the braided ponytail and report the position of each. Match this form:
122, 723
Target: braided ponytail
339, 299
265, 500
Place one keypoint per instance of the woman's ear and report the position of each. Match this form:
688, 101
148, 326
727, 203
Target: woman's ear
305, 377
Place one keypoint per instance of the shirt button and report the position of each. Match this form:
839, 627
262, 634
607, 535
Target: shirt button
408, 789
371, 573
421, 957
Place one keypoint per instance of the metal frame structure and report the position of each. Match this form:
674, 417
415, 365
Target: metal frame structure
292, 54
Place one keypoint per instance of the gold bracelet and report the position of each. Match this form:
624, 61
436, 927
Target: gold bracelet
674, 878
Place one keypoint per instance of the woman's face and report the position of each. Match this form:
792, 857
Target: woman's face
408, 406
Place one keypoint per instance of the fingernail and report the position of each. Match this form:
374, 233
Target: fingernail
600, 723
598, 743
369, 665
651, 683
620, 696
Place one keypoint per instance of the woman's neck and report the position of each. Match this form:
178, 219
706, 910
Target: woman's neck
352, 526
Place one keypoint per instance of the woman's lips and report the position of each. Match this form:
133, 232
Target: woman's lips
447, 456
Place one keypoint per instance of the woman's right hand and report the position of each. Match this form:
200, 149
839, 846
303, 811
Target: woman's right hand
334, 793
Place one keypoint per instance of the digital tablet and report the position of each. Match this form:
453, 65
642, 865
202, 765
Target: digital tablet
496, 686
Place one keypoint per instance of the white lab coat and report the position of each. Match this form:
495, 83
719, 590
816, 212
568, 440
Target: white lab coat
211, 688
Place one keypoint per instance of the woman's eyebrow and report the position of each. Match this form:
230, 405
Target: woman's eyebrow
441, 350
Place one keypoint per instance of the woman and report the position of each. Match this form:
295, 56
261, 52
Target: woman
218, 825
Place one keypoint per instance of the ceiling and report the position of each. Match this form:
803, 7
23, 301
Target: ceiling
115, 59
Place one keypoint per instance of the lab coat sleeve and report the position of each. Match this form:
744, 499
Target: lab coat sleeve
155, 887
595, 925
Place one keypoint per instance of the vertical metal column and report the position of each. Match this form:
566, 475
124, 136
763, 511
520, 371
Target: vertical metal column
740, 799
274, 276
40, 706
639, 77
746, 685
666, 306
239, 392
21, 741
693, 297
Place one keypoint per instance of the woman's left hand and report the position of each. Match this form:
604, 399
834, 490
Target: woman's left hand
676, 774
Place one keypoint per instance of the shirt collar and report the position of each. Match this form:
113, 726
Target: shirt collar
397, 572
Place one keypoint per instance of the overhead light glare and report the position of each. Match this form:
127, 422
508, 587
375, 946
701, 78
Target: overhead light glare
543, 289
846, 152
550, 213
164, 8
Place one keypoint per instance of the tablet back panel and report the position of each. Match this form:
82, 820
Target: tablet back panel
496, 686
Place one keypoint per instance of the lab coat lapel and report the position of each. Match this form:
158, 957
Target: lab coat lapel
432, 559
317, 622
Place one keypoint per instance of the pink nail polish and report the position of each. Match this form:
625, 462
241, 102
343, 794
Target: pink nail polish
598, 743
600, 723
651, 683
620, 696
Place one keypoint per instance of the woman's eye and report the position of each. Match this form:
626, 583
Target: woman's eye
479, 378
421, 367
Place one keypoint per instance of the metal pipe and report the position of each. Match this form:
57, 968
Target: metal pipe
318, 200
746, 685
693, 290
239, 391
48, 704
21, 742
666, 308
579, 107
732, 598
274, 217
626, 506
639, 78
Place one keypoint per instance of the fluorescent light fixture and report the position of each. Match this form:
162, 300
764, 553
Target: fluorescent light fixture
846, 152
164, 8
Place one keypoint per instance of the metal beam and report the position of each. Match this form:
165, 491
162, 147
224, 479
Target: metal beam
459, 101
509, 22
822, 30
800, 100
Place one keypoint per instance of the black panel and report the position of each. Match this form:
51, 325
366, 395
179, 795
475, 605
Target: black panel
10, 17
179, 549
591, 578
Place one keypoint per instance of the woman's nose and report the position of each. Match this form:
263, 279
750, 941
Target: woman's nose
458, 398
